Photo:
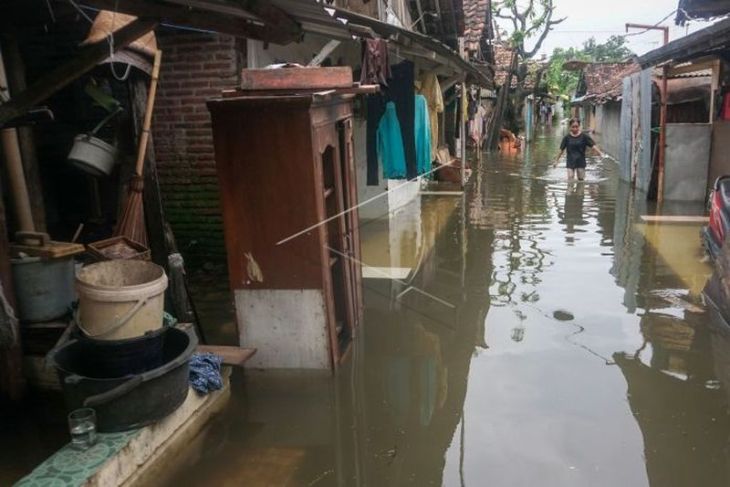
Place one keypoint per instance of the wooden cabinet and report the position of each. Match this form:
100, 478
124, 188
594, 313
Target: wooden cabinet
289, 197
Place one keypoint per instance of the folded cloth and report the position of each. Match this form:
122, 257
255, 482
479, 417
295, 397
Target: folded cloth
205, 372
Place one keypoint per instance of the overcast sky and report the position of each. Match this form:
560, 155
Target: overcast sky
601, 19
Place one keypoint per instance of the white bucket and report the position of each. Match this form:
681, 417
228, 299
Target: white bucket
120, 299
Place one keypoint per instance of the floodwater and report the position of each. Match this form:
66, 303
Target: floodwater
541, 334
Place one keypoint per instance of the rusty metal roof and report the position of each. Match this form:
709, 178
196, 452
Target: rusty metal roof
604, 81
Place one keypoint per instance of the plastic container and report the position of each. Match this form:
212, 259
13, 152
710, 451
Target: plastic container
44, 287
119, 358
120, 299
126, 403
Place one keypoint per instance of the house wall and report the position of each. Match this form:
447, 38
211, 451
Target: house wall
608, 127
195, 67
720, 156
687, 161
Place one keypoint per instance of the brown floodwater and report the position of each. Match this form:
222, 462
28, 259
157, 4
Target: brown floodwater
543, 336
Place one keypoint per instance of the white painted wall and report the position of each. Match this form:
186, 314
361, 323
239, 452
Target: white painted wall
287, 327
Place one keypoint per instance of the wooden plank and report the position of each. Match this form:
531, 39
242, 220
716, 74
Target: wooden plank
197, 16
231, 355
674, 219
296, 78
354, 90
49, 251
83, 62
276, 18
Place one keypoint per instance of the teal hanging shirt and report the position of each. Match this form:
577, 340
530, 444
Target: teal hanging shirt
390, 145
422, 130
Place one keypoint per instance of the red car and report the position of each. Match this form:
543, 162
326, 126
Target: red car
714, 234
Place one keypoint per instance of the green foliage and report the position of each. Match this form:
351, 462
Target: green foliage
613, 50
563, 83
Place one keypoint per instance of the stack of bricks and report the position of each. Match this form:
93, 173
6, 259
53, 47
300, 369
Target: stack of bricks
195, 67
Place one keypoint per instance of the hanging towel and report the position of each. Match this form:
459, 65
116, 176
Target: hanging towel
390, 144
423, 136
375, 66
431, 89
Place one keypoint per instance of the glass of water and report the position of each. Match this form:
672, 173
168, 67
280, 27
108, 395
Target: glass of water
82, 425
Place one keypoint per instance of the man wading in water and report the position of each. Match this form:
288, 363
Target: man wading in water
576, 143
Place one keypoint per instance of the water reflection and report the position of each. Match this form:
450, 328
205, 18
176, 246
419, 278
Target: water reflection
551, 305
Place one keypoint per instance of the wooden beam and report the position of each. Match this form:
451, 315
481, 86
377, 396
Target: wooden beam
707, 62
674, 219
83, 62
231, 355
328, 49
274, 17
448, 83
194, 16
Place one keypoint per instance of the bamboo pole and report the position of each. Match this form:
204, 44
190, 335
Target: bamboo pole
14, 164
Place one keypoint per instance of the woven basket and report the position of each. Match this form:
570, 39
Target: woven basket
107, 22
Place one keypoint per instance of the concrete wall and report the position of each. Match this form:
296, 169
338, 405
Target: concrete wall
688, 160
720, 157
608, 127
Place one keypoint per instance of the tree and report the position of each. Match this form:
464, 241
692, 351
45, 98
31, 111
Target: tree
562, 82
613, 50
535, 21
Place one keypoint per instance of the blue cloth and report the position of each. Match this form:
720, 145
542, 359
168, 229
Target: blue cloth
205, 372
423, 136
390, 144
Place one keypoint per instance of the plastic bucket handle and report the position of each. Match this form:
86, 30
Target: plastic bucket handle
120, 322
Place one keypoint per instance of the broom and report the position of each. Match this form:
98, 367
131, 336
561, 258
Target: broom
131, 224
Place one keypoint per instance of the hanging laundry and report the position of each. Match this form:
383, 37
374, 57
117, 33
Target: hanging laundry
390, 144
401, 91
424, 136
476, 125
375, 65
375, 106
431, 89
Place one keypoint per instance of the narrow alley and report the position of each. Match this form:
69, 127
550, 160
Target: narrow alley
364, 243
547, 338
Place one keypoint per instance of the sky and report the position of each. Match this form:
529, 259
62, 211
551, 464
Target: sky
602, 19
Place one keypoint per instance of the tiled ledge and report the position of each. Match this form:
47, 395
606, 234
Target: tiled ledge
125, 459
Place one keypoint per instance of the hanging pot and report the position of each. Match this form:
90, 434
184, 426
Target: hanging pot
93, 155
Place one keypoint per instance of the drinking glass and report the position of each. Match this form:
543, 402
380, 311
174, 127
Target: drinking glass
82, 425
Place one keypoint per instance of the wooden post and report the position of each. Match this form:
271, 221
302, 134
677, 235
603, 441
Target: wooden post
14, 165
15, 72
12, 381
153, 209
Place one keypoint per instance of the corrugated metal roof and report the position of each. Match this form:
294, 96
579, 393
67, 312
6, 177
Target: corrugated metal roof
318, 17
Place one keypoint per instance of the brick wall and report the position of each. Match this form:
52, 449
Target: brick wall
195, 68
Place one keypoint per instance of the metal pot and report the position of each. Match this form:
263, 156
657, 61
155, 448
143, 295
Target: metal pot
93, 155
44, 287
133, 401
